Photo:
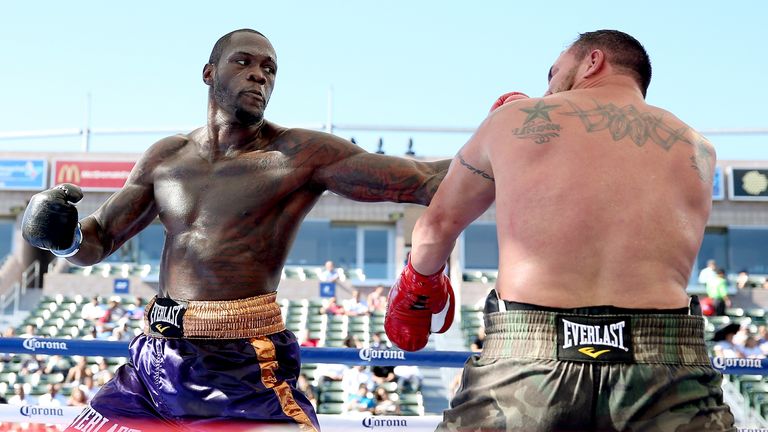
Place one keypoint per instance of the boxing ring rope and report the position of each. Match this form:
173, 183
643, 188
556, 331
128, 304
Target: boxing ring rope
348, 356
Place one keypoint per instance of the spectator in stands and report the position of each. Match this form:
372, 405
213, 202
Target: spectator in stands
762, 334
78, 397
708, 272
304, 340
19, 397
383, 374
51, 398
76, 373
384, 404
33, 364
717, 290
355, 305
332, 307
355, 376
57, 364
351, 341
30, 330
740, 338
724, 346
330, 273
376, 300
88, 384
743, 281
329, 372
113, 313
477, 344
93, 334
121, 332
378, 343
306, 387
360, 401
104, 374
92, 310
408, 377
751, 348
136, 310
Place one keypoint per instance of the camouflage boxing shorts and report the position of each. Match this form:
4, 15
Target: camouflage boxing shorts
589, 369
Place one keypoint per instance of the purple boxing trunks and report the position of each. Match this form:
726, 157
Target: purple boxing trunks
205, 366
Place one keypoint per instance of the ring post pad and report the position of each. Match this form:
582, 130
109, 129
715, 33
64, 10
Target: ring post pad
166, 318
604, 339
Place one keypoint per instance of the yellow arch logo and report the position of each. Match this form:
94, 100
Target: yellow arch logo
68, 174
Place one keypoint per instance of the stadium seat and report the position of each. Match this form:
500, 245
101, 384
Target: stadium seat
330, 408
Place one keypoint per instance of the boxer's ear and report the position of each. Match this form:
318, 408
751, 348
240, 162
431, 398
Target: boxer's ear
208, 72
595, 63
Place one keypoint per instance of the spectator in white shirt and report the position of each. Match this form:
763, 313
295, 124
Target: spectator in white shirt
707, 272
51, 398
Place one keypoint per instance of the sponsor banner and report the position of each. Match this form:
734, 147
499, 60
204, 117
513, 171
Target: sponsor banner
38, 414
92, 175
752, 366
368, 354
367, 423
67, 415
718, 185
748, 184
23, 174
34, 344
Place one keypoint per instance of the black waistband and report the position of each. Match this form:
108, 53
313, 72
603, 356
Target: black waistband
492, 305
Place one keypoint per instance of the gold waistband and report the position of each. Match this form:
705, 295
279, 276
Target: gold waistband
226, 319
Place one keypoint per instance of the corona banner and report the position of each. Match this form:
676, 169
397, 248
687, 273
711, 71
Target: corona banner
92, 174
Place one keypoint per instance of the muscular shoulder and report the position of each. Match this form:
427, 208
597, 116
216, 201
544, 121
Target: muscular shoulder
315, 147
158, 153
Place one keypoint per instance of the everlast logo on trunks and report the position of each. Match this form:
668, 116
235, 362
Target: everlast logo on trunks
166, 318
594, 339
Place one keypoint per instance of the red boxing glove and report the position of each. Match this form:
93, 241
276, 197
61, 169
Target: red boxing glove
506, 98
417, 306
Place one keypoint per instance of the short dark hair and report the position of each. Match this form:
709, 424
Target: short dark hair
220, 44
624, 52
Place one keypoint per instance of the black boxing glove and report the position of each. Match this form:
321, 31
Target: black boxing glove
50, 220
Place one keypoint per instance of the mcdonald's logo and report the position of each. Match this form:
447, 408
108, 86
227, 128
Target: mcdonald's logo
68, 174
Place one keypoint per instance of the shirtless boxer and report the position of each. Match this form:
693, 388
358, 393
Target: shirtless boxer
231, 196
589, 173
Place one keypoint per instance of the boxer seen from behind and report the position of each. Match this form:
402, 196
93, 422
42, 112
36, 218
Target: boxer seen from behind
601, 204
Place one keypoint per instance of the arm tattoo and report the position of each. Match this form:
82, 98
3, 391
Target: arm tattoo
474, 170
641, 128
537, 125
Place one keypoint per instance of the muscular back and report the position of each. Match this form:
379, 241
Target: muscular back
600, 199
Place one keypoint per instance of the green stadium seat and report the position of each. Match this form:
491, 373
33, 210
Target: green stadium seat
746, 382
332, 396
411, 410
330, 408
758, 395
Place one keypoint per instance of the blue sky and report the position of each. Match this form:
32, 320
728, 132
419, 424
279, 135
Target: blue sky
405, 63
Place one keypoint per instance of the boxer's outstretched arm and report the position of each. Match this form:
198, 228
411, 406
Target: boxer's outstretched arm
126, 212
363, 176
466, 192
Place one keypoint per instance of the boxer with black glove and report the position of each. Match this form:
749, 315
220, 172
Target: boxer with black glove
50, 220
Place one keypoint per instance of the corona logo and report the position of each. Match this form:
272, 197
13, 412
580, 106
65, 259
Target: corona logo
68, 174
